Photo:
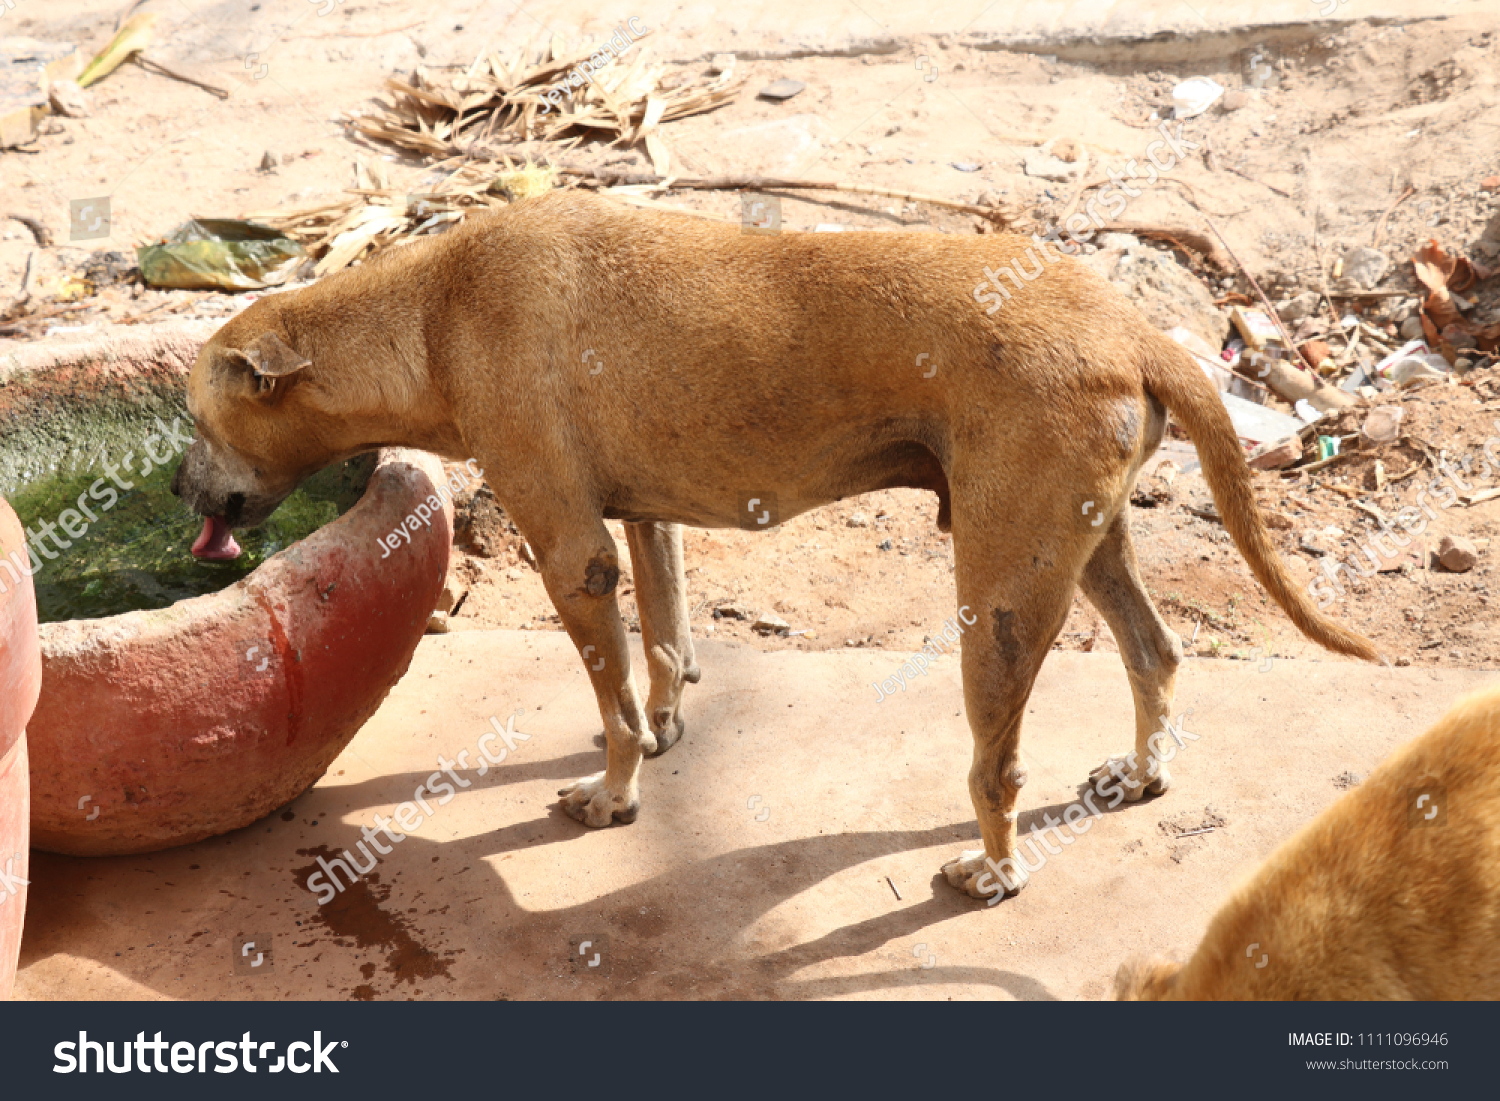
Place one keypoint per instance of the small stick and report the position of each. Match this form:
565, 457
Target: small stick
42, 234
25, 294
152, 66
776, 183
893, 888
1195, 833
1380, 225
1266, 302
1252, 179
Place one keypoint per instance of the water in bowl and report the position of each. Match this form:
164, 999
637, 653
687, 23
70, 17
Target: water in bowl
137, 553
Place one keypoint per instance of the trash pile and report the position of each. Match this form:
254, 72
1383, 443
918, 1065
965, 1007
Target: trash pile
1306, 354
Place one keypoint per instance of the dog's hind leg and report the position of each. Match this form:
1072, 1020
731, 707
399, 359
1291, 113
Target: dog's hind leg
1017, 564
1150, 649
581, 571
661, 596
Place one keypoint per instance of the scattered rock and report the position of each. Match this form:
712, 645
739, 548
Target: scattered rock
1411, 328
269, 161
1276, 456
966, 166
68, 99
437, 623
1457, 554
721, 63
1490, 183
1236, 99
1346, 780
1044, 165
858, 520
1366, 266
887, 545
731, 610
1118, 240
27, 67
769, 623
1303, 306
1314, 544
782, 90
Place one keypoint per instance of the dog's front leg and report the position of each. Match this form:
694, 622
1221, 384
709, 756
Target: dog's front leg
581, 571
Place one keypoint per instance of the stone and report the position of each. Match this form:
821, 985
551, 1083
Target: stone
28, 66
1457, 554
1302, 306
721, 63
732, 611
768, 623
1043, 165
1117, 240
781, 90
858, 520
1235, 99
1411, 328
68, 99
1366, 266
1278, 455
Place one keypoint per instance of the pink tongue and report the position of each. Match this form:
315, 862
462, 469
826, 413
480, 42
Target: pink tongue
215, 541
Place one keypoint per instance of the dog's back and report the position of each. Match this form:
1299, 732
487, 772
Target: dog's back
1392, 893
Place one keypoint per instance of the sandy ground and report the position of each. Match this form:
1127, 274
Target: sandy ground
1360, 113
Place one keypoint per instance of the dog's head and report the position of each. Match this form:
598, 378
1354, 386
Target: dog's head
1146, 980
256, 430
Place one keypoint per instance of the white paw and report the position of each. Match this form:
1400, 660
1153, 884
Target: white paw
592, 803
971, 873
1117, 772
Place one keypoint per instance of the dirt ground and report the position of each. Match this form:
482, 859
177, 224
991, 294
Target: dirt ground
1293, 171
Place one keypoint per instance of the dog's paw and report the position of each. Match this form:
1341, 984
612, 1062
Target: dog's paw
1116, 772
666, 731
970, 868
595, 805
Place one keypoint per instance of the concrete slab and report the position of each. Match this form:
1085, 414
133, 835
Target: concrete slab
769, 852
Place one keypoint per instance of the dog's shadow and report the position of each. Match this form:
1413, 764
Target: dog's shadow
67, 892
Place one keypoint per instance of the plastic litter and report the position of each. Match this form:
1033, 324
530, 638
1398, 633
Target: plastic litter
220, 254
1257, 423
1193, 97
1305, 410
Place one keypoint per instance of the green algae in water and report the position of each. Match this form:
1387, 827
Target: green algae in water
137, 554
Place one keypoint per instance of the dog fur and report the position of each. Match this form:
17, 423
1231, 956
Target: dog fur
1372, 900
602, 364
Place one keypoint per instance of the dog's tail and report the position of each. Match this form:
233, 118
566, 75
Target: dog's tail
1180, 385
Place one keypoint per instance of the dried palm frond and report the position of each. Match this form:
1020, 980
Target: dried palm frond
550, 98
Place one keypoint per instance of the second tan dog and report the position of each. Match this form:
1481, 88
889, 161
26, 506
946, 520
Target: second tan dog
1391, 893
602, 364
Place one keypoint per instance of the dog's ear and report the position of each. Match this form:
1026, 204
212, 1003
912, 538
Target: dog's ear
273, 362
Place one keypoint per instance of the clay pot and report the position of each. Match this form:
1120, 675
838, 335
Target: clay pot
160, 728
20, 680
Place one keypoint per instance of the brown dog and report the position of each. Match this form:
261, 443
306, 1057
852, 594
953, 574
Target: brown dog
1391, 893
604, 364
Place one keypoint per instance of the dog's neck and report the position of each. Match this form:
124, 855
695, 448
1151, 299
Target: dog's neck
364, 331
